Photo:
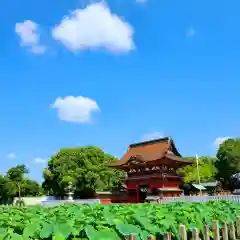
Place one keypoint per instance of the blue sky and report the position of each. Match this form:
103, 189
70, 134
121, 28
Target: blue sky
78, 72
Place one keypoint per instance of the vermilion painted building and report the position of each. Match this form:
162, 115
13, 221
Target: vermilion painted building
151, 169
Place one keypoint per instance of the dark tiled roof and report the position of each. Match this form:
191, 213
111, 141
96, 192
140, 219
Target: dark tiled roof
150, 151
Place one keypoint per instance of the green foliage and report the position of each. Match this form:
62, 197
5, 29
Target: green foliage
228, 160
31, 188
110, 222
8, 190
85, 167
206, 166
16, 184
16, 174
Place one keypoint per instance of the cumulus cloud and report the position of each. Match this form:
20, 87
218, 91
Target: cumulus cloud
94, 27
152, 136
190, 32
11, 155
40, 160
28, 31
220, 140
75, 109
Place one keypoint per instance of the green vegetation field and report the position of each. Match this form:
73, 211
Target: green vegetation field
109, 222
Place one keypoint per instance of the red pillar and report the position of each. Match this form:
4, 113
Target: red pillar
137, 189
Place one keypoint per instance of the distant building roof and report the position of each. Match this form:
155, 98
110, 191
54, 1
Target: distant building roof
209, 184
148, 151
199, 187
169, 189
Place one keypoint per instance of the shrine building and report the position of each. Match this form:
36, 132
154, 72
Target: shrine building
151, 169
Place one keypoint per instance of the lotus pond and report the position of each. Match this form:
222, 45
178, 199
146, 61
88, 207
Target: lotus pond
109, 222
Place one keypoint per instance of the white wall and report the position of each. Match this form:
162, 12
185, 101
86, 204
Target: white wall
31, 200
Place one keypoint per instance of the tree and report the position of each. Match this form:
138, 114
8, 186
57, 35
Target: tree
85, 167
7, 190
14, 183
31, 188
228, 161
206, 167
16, 176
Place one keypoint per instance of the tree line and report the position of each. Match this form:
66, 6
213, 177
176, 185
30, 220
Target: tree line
219, 168
15, 183
87, 169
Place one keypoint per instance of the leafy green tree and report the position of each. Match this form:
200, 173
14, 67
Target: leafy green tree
85, 167
7, 190
16, 176
228, 161
206, 167
31, 188
14, 183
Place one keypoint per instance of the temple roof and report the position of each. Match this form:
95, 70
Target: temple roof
150, 151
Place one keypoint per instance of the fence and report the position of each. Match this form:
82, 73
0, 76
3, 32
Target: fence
232, 198
226, 232
52, 203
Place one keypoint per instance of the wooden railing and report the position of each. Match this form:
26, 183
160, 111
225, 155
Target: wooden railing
227, 232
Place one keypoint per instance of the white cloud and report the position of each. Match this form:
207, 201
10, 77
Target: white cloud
39, 160
75, 109
11, 155
28, 31
191, 32
94, 27
220, 140
151, 136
